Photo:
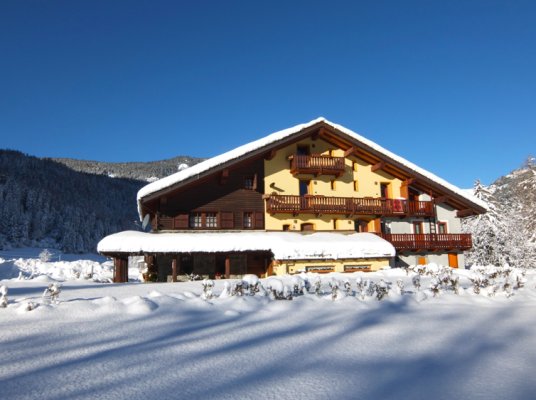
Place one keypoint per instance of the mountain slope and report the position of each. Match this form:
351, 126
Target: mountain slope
507, 233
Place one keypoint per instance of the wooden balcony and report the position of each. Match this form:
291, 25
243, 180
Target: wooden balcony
317, 165
429, 241
348, 206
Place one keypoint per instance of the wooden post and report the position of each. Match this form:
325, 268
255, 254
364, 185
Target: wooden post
174, 269
227, 267
120, 270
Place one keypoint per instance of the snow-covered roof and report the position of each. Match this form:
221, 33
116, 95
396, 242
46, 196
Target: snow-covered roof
245, 149
284, 245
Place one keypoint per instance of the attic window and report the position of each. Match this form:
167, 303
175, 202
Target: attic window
250, 182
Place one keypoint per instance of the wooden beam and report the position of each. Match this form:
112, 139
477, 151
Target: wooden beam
409, 181
377, 166
271, 154
224, 176
349, 151
227, 267
174, 269
464, 213
315, 135
441, 199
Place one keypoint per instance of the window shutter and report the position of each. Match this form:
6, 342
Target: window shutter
227, 220
181, 221
259, 220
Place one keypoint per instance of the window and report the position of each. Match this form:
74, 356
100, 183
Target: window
335, 223
305, 188
196, 220
203, 220
211, 220
441, 227
332, 183
250, 182
418, 228
286, 227
248, 220
384, 190
356, 186
307, 227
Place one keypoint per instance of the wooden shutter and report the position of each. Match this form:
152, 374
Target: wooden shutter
258, 222
227, 220
181, 221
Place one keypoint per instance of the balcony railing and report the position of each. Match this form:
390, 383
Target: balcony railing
428, 241
347, 205
317, 165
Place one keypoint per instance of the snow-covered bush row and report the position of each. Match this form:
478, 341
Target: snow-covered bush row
41, 270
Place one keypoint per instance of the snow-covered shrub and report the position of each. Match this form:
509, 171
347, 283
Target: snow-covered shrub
208, 287
347, 287
435, 285
400, 286
45, 255
51, 293
193, 277
360, 287
3, 296
251, 283
334, 284
317, 285
298, 284
416, 280
370, 288
277, 290
382, 289
238, 289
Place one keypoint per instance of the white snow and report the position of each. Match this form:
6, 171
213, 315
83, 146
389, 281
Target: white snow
259, 144
284, 245
164, 341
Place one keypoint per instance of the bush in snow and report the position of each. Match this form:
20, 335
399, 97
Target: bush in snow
208, 286
360, 287
334, 284
400, 286
317, 285
416, 280
382, 289
251, 283
3, 296
298, 284
193, 277
45, 255
277, 290
347, 287
238, 289
52, 293
435, 285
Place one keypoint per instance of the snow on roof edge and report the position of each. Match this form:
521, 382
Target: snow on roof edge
282, 134
284, 245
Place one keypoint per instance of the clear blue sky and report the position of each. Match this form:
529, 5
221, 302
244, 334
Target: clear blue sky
449, 85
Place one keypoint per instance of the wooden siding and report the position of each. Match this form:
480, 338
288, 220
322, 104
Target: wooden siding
223, 193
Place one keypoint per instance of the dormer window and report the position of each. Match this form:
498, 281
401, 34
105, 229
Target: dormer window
250, 182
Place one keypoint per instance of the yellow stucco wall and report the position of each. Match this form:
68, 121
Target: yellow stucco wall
279, 180
297, 266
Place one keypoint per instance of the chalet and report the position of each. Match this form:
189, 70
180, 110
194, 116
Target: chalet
314, 197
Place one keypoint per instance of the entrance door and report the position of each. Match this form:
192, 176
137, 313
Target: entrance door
453, 260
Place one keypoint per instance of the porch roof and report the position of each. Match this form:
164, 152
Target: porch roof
284, 245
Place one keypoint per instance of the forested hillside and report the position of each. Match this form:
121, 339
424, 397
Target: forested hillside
507, 233
45, 203
142, 171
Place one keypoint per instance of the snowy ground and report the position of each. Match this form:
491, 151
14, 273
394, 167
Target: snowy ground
164, 341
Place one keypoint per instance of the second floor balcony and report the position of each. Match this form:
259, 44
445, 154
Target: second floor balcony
312, 204
316, 165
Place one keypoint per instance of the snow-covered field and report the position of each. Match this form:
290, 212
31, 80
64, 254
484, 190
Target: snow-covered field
165, 341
